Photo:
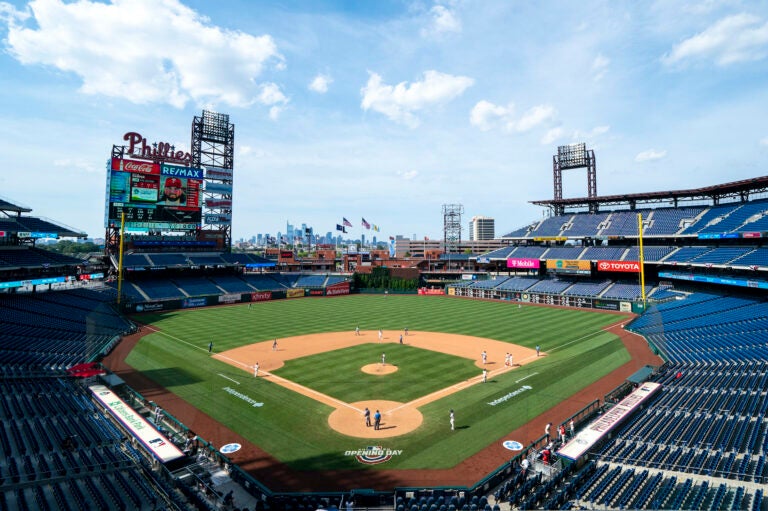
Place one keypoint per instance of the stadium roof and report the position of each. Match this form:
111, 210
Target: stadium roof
10, 207
740, 190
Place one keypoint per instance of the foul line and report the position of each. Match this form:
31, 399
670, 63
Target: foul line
277, 379
227, 377
477, 379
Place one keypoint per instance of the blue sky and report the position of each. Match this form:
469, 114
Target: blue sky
384, 110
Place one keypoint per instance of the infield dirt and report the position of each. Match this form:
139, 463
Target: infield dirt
397, 418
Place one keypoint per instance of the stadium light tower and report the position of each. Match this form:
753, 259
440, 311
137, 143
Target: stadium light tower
213, 147
452, 227
574, 156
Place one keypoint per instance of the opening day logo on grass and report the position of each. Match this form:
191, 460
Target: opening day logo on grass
373, 455
510, 395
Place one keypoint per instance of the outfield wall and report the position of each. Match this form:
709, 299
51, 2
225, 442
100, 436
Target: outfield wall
340, 289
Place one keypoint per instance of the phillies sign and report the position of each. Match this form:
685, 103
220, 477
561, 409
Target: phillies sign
620, 266
137, 146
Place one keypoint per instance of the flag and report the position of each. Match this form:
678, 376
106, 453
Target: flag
391, 238
347, 223
376, 228
366, 224
339, 228
426, 238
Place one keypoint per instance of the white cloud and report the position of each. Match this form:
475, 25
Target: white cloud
535, 116
600, 67
146, 51
270, 94
320, 83
79, 163
552, 135
737, 38
9, 14
764, 141
486, 115
442, 21
398, 102
650, 155
408, 174
274, 112
558, 133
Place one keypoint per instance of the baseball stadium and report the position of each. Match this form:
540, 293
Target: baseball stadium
611, 355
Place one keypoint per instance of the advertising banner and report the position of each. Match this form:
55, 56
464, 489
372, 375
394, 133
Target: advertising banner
620, 266
606, 305
218, 173
162, 449
135, 166
294, 293
571, 266
221, 218
341, 288
231, 298
261, 296
189, 303
527, 264
218, 203
431, 292
589, 436
186, 172
218, 187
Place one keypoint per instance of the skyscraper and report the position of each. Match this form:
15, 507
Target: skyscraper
482, 228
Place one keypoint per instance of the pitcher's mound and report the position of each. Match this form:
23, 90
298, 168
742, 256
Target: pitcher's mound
379, 369
396, 419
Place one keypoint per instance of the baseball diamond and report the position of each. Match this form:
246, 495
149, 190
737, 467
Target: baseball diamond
313, 389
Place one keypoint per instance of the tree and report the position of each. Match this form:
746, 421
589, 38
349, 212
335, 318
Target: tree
70, 247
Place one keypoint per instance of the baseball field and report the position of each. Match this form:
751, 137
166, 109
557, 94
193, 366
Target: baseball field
304, 407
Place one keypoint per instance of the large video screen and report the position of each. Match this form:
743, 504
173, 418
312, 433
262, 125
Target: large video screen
153, 195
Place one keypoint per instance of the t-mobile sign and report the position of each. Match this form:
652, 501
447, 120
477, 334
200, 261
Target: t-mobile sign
528, 264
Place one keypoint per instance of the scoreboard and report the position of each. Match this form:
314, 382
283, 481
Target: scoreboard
153, 195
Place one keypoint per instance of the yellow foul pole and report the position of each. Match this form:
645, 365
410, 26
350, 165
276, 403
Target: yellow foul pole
642, 259
120, 260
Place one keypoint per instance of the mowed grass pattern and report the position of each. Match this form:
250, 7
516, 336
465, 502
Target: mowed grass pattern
580, 352
419, 372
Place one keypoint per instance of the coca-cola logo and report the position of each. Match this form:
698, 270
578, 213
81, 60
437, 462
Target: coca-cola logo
143, 168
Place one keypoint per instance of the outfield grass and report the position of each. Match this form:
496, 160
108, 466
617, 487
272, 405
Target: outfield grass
580, 352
